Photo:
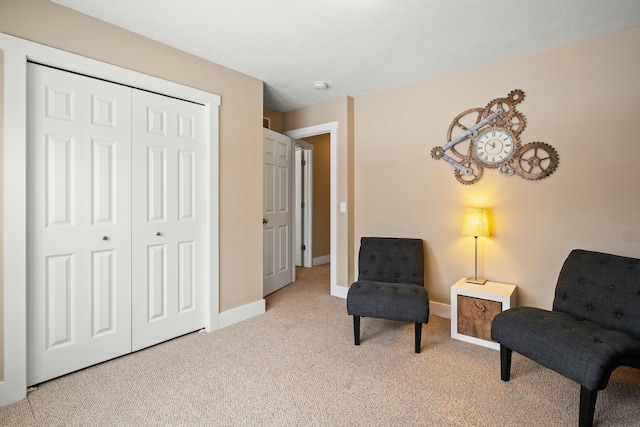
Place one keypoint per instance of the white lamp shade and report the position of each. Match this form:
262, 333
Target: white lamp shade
475, 222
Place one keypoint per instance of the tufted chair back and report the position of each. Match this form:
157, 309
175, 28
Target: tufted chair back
389, 259
601, 288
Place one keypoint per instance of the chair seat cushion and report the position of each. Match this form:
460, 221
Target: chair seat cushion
578, 349
393, 301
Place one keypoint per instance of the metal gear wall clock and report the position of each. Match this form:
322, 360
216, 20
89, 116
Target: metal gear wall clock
489, 137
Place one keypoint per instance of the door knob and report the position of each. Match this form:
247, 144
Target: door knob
265, 221
157, 233
105, 238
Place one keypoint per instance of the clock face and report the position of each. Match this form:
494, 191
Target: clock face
494, 146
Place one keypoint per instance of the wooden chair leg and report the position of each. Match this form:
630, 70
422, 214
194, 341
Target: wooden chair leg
418, 336
505, 363
356, 329
587, 406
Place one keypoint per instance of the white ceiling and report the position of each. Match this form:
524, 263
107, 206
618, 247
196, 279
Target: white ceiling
359, 47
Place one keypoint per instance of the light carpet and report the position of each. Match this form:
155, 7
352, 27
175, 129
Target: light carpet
296, 365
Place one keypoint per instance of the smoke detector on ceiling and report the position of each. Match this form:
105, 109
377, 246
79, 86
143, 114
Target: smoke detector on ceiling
320, 86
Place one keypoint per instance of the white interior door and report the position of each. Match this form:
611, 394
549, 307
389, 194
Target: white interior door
303, 203
298, 203
79, 239
168, 218
278, 215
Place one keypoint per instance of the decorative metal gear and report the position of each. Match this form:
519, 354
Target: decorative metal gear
536, 160
516, 96
504, 104
462, 123
517, 124
476, 174
506, 170
437, 153
490, 137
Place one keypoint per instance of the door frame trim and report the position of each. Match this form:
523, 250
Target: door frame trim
332, 129
307, 199
16, 54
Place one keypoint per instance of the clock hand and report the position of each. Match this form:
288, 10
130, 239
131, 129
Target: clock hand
472, 130
464, 170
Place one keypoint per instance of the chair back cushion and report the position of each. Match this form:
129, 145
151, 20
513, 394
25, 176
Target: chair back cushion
391, 259
601, 288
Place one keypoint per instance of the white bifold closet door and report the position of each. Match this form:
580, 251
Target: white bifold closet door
101, 158
168, 204
79, 236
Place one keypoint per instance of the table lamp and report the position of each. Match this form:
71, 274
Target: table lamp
475, 223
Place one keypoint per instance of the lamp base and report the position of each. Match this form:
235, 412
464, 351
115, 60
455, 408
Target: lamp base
476, 280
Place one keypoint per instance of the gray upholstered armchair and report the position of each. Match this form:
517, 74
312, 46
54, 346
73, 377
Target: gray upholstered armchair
594, 326
390, 284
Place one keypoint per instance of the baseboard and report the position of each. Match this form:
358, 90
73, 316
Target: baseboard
339, 291
439, 309
238, 314
326, 259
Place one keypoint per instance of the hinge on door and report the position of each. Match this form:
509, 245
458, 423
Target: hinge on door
304, 247
304, 162
302, 205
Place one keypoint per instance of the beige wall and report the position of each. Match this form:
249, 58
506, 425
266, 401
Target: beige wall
583, 99
1, 219
276, 118
321, 194
341, 111
240, 123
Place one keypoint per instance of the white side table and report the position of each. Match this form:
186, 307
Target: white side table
473, 308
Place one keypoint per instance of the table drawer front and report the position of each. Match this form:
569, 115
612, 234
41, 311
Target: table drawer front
475, 316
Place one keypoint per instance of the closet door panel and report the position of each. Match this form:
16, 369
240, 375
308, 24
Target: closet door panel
55, 294
167, 218
103, 288
60, 302
156, 283
156, 185
79, 276
107, 219
186, 276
